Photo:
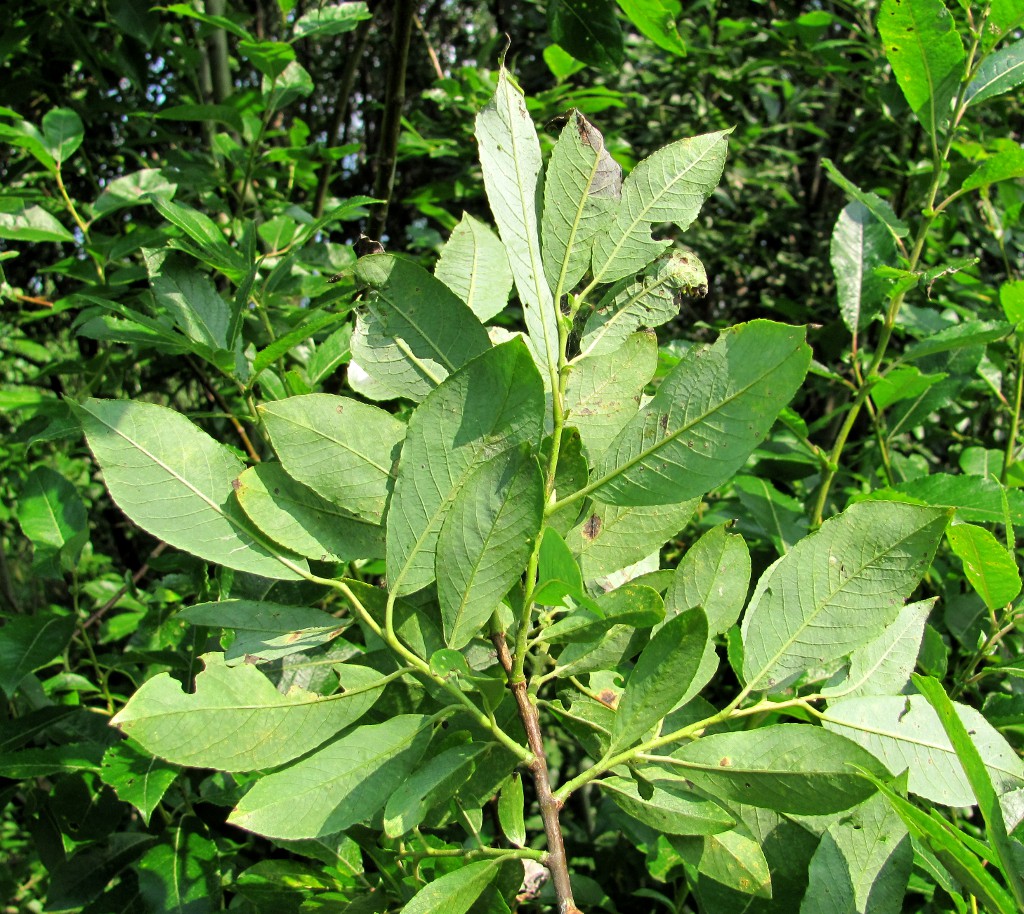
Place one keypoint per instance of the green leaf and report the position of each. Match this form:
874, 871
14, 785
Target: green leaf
588, 30
430, 785
926, 55
129, 190
190, 297
271, 58
63, 133
631, 604
708, 415
331, 20
714, 574
511, 805
659, 21
670, 185
342, 449
794, 768
236, 720
734, 858
137, 778
53, 516
990, 568
837, 589
883, 666
1006, 165
473, 264
571, 474
959, 336
875, 205
661, 678
415, 331
779, 516
667, 806
29, 642
904, 382
265, 631
648, 299
204, 232
486, 539
181, 874
494, 403
218, 22
581, 186
176, 482
41, 763
32, 223
862, 863
603, 393
454, 892
511, 162
340, 785
219, 114
975, 498
903, 732
302, 521
978, 777
558, 573
860, 243
81, 877
611, 538
294, 83
998, 73
946, 843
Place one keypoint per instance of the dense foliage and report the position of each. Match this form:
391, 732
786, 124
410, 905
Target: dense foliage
488, 457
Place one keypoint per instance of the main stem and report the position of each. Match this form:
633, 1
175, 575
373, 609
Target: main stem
550, 807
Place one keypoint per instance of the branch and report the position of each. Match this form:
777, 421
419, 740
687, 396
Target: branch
549, 806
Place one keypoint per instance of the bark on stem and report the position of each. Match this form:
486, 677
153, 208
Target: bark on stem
549, 806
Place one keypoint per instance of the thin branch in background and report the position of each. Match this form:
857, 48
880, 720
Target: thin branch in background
342, 107
387, 151
218, 398
430, 48
97, 616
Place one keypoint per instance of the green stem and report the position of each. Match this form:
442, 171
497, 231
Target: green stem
1011, 440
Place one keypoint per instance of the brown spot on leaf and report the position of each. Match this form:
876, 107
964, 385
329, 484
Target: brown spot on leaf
591, 527
725, 762
608, 698
236, 484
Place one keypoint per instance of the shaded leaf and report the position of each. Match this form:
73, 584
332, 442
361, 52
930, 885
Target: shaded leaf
588, 30
998, 73
473, 264
29, 642
714, 574
667, 806
137, 777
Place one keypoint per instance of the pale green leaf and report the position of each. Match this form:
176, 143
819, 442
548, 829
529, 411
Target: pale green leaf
1005, 165
236, 720
926, 55
342, 449
959, 336
473, 264
708, 415
511, 162
611, 537
733, 858
265, 631
714, 574
998, 73
581, 186
434, 783
904, 382
667, 806
862, 863
192, 300
881, 209
795, 768
342, 784
415, 330
136, 777
485, 541
990, 568
29, 642
883, 666
661, 678
493, 404
975, 498
335, 19
129, 190
62, 134
648, 299
659, 21
859, 244
293, 515
511, 804
53, 516
176, 482
454, 892
32, 223
837, 589
904, 732
603, 393
669, 186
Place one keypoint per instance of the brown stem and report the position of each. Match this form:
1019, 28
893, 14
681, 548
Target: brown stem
549, 806
138, 576
387, 150
216, 396
430, 48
